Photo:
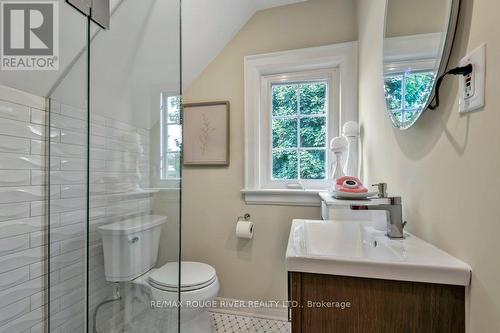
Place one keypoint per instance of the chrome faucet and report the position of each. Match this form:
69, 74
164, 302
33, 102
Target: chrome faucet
395, 223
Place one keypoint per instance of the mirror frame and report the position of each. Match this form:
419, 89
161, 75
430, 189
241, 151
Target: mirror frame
443, 64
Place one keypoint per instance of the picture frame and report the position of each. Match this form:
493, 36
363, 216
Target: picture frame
206, 136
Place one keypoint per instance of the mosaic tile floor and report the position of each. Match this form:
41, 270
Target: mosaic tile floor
227, 323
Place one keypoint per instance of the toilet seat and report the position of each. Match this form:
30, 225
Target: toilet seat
194, 276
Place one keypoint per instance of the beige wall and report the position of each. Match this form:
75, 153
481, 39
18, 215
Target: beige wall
446, 167
252, 269
410, 17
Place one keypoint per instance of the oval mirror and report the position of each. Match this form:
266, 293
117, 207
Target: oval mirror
417, 44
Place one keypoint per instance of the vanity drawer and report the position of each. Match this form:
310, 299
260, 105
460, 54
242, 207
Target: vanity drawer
328, 303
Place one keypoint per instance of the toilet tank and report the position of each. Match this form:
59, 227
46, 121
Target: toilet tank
131, 246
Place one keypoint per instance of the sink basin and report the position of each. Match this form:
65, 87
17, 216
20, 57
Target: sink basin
361, 249
328, 239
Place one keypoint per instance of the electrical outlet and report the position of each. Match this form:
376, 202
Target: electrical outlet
472, 86
469, 85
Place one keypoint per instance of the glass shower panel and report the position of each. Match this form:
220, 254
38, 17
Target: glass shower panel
134, 215
43, 139
68, 177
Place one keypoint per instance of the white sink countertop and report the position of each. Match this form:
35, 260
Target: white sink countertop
327, 198
361, 249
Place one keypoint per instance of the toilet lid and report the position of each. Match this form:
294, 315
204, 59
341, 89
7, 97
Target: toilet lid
194, 275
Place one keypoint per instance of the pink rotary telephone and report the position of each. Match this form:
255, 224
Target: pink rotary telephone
349, 184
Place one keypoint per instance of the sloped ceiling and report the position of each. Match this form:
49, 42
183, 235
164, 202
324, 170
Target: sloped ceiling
207, 27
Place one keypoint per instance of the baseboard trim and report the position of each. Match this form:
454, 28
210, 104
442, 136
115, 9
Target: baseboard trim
280, 314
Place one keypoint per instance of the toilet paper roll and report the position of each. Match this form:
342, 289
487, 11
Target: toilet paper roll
244, 229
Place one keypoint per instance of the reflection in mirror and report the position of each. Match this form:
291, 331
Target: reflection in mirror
417, 43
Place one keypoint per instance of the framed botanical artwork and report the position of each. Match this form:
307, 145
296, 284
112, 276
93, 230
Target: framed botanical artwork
206, 133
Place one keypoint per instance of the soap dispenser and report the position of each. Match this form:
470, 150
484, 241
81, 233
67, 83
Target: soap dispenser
338, 146
350, 130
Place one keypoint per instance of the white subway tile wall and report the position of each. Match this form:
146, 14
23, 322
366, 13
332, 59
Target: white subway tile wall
119, 169
22, 249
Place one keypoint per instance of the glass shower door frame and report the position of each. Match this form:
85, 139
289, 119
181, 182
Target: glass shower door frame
51, 151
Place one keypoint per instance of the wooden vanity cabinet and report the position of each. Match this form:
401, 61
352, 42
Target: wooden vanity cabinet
376, 305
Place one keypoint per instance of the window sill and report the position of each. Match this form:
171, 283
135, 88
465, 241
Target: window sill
282, 197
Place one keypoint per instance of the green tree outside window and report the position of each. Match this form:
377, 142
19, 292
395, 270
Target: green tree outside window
406, 94
299, 127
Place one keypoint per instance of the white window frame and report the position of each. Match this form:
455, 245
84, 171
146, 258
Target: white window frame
415, 51
412, 48
329, 75
339, 62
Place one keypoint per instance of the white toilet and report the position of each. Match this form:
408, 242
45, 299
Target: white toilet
130, 253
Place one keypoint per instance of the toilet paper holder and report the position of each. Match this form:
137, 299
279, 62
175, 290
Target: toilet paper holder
245, 217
